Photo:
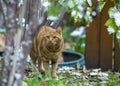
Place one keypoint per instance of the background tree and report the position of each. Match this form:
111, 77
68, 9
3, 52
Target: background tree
16, 15
23, 19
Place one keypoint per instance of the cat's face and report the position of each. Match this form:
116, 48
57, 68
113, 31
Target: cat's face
53, 38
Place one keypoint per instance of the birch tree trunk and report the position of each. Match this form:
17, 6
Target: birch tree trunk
30, 16
9, 11
12, 74
30, 28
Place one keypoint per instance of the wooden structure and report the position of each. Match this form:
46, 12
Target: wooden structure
101, 50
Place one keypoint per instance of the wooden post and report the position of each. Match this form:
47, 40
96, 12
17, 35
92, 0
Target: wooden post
92, 44
99, 42
105, 40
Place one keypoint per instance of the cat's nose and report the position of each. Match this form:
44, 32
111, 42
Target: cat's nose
50, 41
50, 38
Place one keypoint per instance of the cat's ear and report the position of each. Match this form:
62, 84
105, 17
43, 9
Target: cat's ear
59, 30
45, 28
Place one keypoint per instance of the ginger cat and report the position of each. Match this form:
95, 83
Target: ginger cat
46, 46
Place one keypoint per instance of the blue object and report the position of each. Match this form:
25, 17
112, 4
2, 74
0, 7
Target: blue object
71, 58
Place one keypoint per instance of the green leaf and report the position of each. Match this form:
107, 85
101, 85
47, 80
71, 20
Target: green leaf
117, 1
110, 9
101, 4
111, 22
89, 2
54, 10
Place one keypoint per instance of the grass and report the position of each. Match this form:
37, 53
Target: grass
67, 78
113, 80
52, 82
32, 82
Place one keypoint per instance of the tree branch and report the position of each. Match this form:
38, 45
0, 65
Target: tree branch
56, 22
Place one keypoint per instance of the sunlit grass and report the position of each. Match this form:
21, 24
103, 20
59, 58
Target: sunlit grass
32, 82
113, 80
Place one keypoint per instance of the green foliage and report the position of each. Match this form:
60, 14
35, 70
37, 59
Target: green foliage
79, 47
113, 23
80, 10
113, 80
54, 10
66, 33
117, 2
89, 2
51, 82
100, 5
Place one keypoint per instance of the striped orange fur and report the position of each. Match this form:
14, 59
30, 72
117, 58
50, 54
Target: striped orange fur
46, 46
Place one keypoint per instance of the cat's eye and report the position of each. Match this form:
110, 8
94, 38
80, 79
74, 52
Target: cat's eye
54, 37
48, 37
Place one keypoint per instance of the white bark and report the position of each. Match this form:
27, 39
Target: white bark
31, 16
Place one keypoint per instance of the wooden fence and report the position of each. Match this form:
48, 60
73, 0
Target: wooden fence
101, 50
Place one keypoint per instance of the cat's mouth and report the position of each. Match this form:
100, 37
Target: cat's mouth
52, 46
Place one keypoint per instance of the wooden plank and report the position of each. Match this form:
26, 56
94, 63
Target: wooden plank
92, 44
105, 40
117, 57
